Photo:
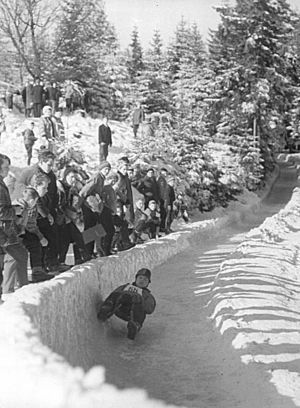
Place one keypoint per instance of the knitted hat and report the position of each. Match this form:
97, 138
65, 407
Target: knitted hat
144, 272
103, 165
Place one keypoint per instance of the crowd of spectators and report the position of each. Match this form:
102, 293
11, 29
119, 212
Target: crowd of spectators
99, 214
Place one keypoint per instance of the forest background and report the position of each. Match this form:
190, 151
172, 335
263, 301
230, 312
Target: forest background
231, 104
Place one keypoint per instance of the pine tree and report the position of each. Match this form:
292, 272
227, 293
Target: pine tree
135, 62
253, 87
153, 85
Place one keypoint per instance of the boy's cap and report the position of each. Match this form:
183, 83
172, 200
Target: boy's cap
144, 272
152, 202
103, 165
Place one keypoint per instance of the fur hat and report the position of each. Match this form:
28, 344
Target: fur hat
144, 272
103, 165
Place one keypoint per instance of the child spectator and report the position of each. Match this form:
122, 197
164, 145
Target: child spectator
153, 220
29, 139
130, 302
140, 219
180, 208
33, 239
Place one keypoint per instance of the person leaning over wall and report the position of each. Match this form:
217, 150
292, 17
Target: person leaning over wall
9, 241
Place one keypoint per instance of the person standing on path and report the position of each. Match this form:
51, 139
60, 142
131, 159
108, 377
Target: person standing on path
138, 117
104, 139
37, 95
29, 139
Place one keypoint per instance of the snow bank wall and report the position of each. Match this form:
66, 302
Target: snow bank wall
39, 325
255, 299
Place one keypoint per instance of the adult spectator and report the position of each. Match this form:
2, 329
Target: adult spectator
148, 187
9, 241
27, 96
170, 203
163, 197
37, 98
104, 139
92, 216
48, 207
47, 131
52, 96
32, 238
29, 139
9, 97
123, 189
138, 117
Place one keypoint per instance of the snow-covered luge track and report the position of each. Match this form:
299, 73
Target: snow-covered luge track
44, 327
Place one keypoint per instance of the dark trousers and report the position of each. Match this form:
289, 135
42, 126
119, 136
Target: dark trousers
106, 220
28, 148
34, 247
103, 152
50, 232
128, 309
135, 130
163, 215
37, 110
169, 218
28, 112
89, 220
69, 233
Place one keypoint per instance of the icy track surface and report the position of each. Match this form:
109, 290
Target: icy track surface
179, 357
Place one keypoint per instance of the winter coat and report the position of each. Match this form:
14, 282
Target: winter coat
104, 135
149, 188
52, 94
110, 198
37, 94
29, 96
148, 300
163, 188
153, 216
29, 137
47, 128
93, 186
49, 203
137, 116
8, 233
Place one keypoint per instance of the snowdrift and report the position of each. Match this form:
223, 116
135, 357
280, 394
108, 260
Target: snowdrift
255, 298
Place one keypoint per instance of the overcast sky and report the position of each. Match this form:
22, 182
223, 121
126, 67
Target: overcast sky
163, 15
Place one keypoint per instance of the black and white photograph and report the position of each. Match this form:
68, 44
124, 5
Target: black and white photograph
149, 203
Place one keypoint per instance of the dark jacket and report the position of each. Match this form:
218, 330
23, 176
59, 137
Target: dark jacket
93, 186
52, 94
148, 299
137, 116
29, 137
37, 93
8, 233
50, 201
149, 188
163, 188
104, 135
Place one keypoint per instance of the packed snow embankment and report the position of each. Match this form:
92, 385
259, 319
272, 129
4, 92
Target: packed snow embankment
256, 298
42, 325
